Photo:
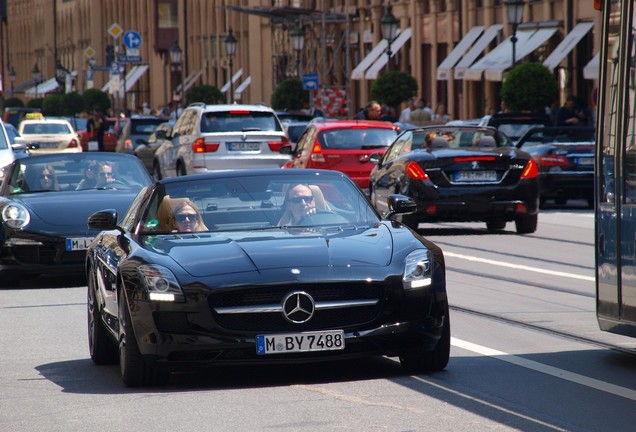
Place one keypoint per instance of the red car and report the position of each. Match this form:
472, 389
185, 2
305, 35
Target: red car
343, 145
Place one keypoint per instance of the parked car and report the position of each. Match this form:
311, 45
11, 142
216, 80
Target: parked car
45, 135
215, 137
565, 157
136, 132
462, 174
153, 150
515, 124
343, 145
44, 217
242, 285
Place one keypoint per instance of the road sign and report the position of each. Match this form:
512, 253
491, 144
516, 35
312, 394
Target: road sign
129, 59
132, 39
310, 81
89, 52
115, 69
115, 30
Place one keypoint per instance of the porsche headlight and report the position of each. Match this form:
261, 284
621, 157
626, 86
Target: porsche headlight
160, 283
16, 216
418, 270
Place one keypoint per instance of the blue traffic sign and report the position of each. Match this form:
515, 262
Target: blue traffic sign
115, 69
310, 81
132, 39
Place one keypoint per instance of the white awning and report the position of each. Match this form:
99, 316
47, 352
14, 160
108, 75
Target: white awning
241, 88
590, 71
235, 78
444, 69
358, 72
190, 80
43, 88
376, 67
481, 44
497, 61
567, 44
132, 76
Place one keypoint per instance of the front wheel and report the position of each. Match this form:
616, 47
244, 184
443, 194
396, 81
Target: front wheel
102, 348
526, 224
181, 170
430, 361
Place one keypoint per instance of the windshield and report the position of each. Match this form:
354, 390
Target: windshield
258, 202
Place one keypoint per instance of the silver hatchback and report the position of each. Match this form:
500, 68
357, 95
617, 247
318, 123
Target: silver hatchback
220, 137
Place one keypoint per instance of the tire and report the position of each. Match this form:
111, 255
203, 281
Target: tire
526, 224
135, 372
156, 171
430, 361
181, 169
496, 225
9, 279
102, 348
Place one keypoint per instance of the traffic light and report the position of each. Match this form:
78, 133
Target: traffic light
110, 54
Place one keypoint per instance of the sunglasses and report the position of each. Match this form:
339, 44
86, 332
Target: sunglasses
184, 217
46, 176
298, 200
105, 174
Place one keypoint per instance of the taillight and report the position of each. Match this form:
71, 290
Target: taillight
531, 170
415, 171
128, 144
316, 154
200, 146
73, 143
552, 161
275, 146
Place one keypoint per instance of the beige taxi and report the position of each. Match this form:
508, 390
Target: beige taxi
44, 135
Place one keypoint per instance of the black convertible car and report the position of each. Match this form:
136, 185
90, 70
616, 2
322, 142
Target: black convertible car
565, 156
461, 174
45, 201
261, 266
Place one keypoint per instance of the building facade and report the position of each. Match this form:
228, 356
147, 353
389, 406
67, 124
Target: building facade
447, 45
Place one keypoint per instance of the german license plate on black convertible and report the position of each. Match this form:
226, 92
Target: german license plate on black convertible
300, 342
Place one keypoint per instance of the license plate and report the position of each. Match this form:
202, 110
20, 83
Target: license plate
243, 146
476, 176
585, 161
47, 144
300, 342
78, 243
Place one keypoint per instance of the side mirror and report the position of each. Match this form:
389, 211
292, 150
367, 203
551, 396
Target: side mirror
375, 158
160, 134
286, 150
19, 144
103, 220
400, 204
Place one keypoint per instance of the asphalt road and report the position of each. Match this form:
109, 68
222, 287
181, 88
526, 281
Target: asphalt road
526, 355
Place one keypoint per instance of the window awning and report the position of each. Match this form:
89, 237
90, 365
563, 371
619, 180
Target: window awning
235, 78
567, 44
190, 80
476, 50
132, 76
241, 88
444, 68
496, 62
43, 88
590, 71
358, 72
382, 60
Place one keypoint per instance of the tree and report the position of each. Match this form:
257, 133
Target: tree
290, 95
13, 102
53, 105
529, 87
95, 98
35, 103
73, 103
394, 87
204, 93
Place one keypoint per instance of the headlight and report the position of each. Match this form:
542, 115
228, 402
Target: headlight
16, 216
160, 283
418, 270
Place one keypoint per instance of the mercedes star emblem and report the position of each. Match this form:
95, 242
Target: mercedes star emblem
298, 307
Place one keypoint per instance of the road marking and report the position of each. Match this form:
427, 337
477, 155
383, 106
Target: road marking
548, 370
519, 267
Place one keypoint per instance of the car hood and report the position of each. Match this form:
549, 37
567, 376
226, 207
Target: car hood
73, 208
213, 254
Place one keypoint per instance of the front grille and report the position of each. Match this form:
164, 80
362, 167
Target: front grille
322, 319
46, 255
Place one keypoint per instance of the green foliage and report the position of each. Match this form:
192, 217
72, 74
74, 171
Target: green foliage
290, 95
529, 87
393, 88
204, 93
73, 103
35, 103
95, 98
13, 102
53, 105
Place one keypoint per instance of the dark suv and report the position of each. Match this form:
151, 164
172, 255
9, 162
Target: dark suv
516, 124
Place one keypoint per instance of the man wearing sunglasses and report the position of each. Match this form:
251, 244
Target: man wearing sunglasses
104, 175
300, 203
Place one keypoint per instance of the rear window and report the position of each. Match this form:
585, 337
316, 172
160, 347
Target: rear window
46, 129
240, 121
356, 139
144, 127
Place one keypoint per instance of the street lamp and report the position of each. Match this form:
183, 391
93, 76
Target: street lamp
12, 78
60, 73
37, 77
514, 8
389, 25
175, 59
297, 36
230, 50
